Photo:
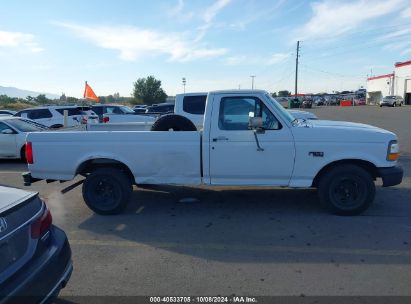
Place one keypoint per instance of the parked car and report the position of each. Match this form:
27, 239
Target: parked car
248, 139
7, 112
392, 101
13, 132
360, 102
140, 109
53, 116
307, 103
109, 113
35, 256
319, 101
160, 108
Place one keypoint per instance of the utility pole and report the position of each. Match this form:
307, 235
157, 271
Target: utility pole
252, 82
184, 84
296, 68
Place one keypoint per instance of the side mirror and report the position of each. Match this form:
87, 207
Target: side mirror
256, 123
7, 131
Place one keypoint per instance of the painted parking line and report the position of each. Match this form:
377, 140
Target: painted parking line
236, 247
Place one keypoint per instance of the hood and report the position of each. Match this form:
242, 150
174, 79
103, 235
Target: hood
302, 114
10, 197
341, 131
342, 124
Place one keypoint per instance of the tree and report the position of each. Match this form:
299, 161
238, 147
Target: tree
70, 99
148, 90
284, 93
42, 99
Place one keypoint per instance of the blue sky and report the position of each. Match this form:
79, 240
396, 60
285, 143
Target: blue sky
54, 46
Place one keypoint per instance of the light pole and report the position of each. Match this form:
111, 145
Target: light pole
252, 82
184, 84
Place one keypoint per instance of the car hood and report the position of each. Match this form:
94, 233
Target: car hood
341, 131
342, 124
10, 197
302, 114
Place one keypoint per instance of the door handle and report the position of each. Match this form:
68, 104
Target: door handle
220, 138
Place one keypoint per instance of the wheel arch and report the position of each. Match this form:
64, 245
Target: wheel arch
366, 165
88, 166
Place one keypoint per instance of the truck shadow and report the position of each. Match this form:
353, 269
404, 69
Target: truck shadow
264, 225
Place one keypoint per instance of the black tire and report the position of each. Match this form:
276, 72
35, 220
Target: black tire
394, 104
173, 122
107, 191
58, 126
23, 154
346, 190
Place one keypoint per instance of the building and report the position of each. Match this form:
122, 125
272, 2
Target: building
397, 83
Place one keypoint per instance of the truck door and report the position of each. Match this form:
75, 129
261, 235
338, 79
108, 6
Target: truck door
235, 158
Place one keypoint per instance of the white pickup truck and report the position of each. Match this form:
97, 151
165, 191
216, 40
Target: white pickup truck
248, 139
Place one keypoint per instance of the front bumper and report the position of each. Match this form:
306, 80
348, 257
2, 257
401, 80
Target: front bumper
391, 176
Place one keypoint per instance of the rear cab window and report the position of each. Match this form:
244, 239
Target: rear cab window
194, 104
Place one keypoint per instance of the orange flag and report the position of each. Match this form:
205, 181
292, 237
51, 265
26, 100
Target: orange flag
89, 93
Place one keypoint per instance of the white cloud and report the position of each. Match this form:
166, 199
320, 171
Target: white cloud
214, 9
278, 57
178, 8
257, 60
331, 18
133, 42
406, 13
208, 16
23, 41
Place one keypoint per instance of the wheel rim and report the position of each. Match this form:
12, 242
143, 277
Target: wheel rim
348, 192
106, 193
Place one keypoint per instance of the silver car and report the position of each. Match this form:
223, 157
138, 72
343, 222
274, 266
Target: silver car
392, 101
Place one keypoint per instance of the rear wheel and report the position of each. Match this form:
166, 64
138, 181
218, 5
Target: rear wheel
57, 126
346, 190
107, 191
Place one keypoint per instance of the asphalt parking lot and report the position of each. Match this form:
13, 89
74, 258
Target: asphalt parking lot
240, 241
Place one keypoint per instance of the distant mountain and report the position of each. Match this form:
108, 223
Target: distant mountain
15, 92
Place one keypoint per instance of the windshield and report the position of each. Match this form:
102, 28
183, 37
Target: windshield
284, 113
24, 126
127, 110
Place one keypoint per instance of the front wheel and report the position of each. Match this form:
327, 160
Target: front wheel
394, 104
346, 190
107, 191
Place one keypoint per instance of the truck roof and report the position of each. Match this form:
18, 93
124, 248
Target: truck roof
239, 91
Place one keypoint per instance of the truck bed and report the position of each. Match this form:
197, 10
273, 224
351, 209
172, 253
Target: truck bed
153, 157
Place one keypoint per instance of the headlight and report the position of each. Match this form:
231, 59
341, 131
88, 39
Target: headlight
393, 150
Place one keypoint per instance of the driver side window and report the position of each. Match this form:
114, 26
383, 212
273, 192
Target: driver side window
235, 113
